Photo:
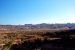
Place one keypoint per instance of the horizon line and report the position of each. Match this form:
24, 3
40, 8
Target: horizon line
37, 23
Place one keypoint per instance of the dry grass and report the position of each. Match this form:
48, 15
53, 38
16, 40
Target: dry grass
27, 34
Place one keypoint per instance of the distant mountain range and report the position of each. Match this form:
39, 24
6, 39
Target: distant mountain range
38, 26
49, 26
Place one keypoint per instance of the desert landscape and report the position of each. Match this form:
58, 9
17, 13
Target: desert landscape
43, 38
37, 24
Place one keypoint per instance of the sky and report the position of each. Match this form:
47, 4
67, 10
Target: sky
37, 11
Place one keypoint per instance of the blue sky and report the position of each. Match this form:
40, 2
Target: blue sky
37, 11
